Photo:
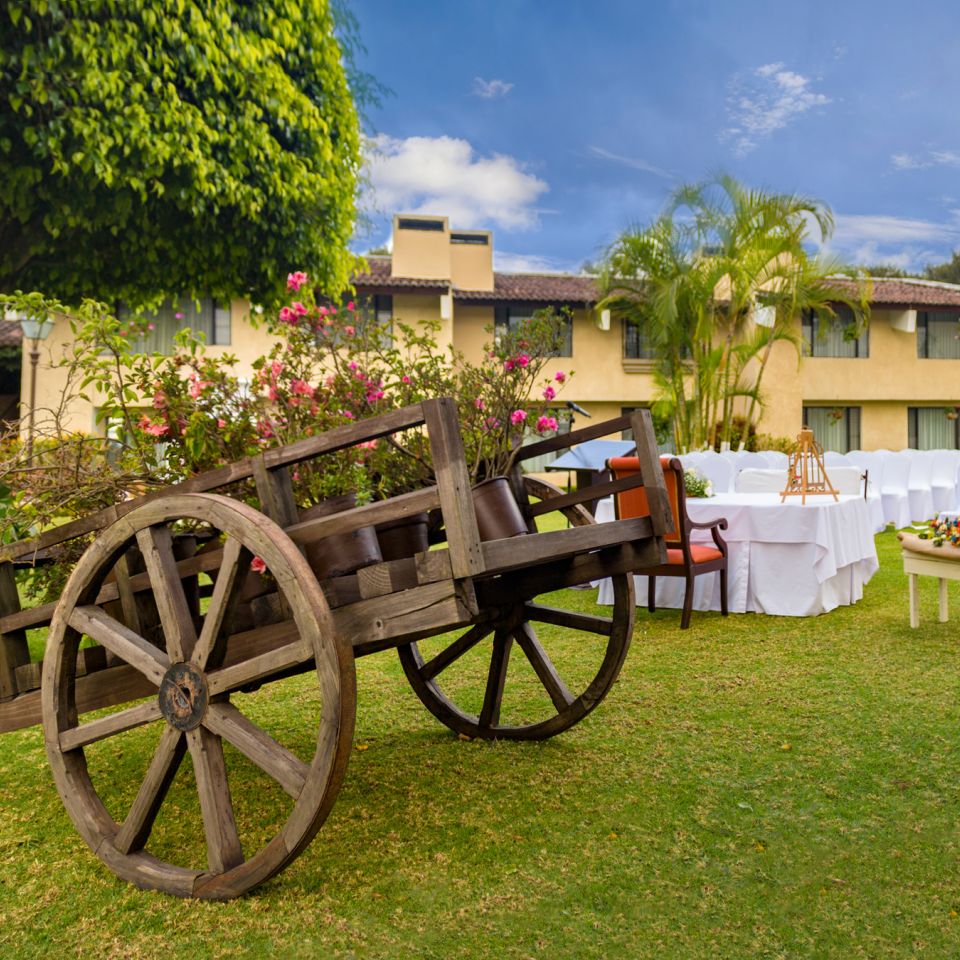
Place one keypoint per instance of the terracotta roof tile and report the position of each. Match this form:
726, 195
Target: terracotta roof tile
378, 276
10, 333
535, 288
908, 292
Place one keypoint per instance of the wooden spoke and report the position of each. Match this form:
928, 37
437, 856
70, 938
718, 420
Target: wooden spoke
257, 668
570, 619
456, 650
223, 842
229, 581
543, 667
497, 676
156, 545
135, 831
257, 746
110, 726
122, 641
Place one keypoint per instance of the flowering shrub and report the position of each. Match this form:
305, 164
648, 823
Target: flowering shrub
696, 484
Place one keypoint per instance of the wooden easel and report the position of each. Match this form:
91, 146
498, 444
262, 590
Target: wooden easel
806, 473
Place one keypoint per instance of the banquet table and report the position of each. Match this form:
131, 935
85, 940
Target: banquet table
788, 559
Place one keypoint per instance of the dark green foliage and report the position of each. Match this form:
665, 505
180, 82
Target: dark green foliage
946, 272
151, 147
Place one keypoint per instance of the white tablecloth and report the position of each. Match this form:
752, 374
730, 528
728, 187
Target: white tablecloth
783, 558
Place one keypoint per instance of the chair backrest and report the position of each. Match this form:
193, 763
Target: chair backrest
753, 480
946, 464
846, 479
730, 455
832, 458
870, 463
921, 468
896, 472
775, 459
719, 471
633, 502
747, 460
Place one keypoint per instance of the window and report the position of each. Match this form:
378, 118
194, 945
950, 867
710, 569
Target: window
637, 344
510, 317
933, 428
207, 316
829, 338
409, 223
471, 239
376, 315
834, 428
938, 335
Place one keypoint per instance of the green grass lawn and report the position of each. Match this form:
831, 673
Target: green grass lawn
752, 787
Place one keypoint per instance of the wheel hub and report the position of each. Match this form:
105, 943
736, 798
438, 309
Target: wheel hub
184, 696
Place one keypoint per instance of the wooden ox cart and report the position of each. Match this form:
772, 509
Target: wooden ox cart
139, 630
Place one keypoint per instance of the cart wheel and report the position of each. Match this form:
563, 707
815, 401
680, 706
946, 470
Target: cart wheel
190, 692
592, 646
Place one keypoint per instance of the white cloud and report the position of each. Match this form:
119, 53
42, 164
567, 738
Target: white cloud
445, 177
900, 241
490, 89
932, 158
764, 102
530, 263
635, 163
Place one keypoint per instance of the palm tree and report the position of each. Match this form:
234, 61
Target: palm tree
696, 277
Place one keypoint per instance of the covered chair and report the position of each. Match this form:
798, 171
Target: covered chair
684, 559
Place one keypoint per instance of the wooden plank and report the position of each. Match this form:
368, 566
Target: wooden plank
129, 646
223, 841
390, 577
179, 631
14, 650
370, 514
275, 490
496, 678
257, 668
228, 584
595, 492
258, 747
539, 447
456, 650
543, 666
560, 617
434, 565
135, 830
657, 499
28, 676
110, 725
453, 483
501, 556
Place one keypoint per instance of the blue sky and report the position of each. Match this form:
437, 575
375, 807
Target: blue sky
559, 123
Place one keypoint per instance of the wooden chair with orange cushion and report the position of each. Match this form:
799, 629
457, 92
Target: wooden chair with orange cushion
684, 559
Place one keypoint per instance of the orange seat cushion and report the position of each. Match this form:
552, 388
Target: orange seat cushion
699, 553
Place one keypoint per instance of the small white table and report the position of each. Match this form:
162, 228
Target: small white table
786, 559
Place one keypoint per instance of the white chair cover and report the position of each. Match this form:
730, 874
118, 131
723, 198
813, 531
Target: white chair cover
832, 458
946, 465
719, 470
894, 487
871, 464
752, 480
775, 459
846, 479
920, 483
752, 461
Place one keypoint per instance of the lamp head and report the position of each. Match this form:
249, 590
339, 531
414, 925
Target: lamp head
34, 329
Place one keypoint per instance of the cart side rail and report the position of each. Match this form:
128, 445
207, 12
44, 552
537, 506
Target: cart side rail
651, 474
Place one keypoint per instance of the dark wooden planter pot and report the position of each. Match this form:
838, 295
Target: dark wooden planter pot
498, 514
403, 538
341, 553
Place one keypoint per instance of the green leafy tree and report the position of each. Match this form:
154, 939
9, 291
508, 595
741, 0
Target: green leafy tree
696, 280
948, 272
159, 146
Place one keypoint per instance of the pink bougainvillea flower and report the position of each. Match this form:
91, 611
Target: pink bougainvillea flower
405, 379
523, 360
296, 280
374, 395
287, 315
197, 387
518, 416
258, 565
491, 423
368, 445
276, 368
351, 307
352, 364
508, 365
323, 311
549, 393
221, 423
302, 388
273, 395
157, 429
179, 316
299, 309
349, 331
560, 376
159, 400
479, 404
265, 429
545, 424
151, 326
347, 414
